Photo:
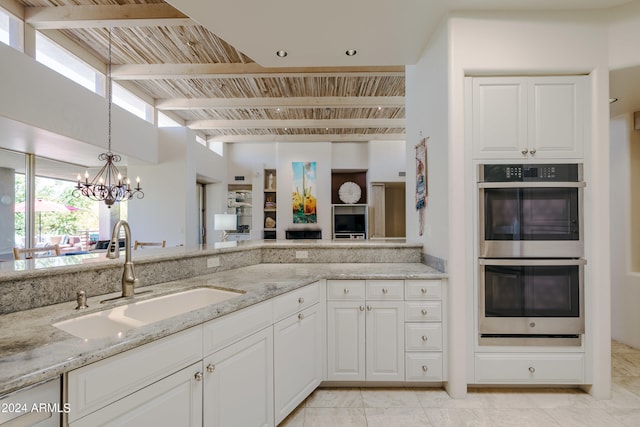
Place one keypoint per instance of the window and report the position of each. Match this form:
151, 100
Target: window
58, 59
165, 121
132, 103
10, 30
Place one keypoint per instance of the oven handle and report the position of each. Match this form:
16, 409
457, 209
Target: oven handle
580, 184
528, 262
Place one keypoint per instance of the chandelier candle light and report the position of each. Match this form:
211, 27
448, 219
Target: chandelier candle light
108, 185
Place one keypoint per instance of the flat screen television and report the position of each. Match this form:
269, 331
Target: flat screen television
349, 223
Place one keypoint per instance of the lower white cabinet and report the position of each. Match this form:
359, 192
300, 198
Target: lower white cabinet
298, 348
173, 401
25, 406
365, 338
238, 383
529, 368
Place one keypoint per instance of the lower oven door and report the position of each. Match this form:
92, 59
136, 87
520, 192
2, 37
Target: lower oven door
524, 297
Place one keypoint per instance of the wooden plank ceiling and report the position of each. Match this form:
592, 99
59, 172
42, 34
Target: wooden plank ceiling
202, 82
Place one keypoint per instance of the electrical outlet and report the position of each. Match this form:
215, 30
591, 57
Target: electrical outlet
213, 262
302, 254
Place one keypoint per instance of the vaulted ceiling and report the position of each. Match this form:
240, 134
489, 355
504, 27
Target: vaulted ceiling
203, 73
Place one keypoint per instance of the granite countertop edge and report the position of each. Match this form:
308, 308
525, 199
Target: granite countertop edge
32, 350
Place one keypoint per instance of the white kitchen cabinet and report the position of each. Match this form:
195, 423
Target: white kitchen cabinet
173, 401
528, 118
365, 330
529, 368
39, 405
298, 349
238, 383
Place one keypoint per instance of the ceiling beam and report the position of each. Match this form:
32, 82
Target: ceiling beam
232, 71
104, 16
13, 7
296, 124
308, 138
295, 102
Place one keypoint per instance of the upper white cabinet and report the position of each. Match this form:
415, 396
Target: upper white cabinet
528, 117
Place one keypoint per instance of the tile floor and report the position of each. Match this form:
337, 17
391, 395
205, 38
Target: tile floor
412, 407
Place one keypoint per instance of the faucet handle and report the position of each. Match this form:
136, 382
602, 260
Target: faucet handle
81, 298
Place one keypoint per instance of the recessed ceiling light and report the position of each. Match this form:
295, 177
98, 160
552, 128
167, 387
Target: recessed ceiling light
351, 52
281, 53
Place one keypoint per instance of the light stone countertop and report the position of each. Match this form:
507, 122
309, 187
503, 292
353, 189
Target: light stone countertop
31, 350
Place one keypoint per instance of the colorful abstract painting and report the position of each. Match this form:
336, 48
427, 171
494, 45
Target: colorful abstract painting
303, 201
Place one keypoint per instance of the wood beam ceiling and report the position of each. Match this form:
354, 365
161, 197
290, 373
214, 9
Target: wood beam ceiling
296, 102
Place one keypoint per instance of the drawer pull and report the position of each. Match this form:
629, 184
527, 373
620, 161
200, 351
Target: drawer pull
423, 290
385, 291
524, 151
369, 307
198, 376
532, 369
300, 300
532, 151
425, 338
211, 368
346, 290
424, 311
425, 368
300, 316
362, 308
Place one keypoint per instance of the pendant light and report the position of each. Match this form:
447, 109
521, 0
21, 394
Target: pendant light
108, 185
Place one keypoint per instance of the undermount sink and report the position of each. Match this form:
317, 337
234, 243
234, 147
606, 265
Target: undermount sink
120, 319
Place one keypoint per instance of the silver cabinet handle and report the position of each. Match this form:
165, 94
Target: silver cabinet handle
425, 368
532, 151
369, 307
424, 311
198, 376
425, 338
532, 369
385, 290
300, 316
211, 368
423, 290
300, 300
346, 290
524, 151
362, 308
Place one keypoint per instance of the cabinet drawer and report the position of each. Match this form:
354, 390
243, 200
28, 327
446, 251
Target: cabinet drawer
99, 384
383, 290
230, 328
297, 300
346, 290
529, 368
423, 289
426, 311
15, 408
423, 337
423, 366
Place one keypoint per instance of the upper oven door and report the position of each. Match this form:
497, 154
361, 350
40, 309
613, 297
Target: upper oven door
530, 220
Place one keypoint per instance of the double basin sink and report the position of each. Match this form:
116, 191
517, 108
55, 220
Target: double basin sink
117, 320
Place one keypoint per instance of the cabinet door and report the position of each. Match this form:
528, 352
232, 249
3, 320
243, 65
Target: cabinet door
499, 117
345, 340
385, 341
238, 386
173, 401
556, 117
297, 359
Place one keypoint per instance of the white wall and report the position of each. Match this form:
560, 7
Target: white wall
625, 289
34, 95
169, 210
386, 160
350, 155
624, 33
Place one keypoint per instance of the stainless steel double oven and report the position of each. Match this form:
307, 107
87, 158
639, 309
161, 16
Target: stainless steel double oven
530, 254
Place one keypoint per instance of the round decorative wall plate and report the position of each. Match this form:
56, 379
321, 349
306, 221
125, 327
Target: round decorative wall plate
349, 192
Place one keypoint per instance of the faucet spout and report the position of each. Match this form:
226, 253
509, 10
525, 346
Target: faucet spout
129, 279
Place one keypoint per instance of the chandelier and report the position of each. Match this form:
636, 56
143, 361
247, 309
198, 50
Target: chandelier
108, 185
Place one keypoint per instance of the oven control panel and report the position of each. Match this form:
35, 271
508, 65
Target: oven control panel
530, 173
